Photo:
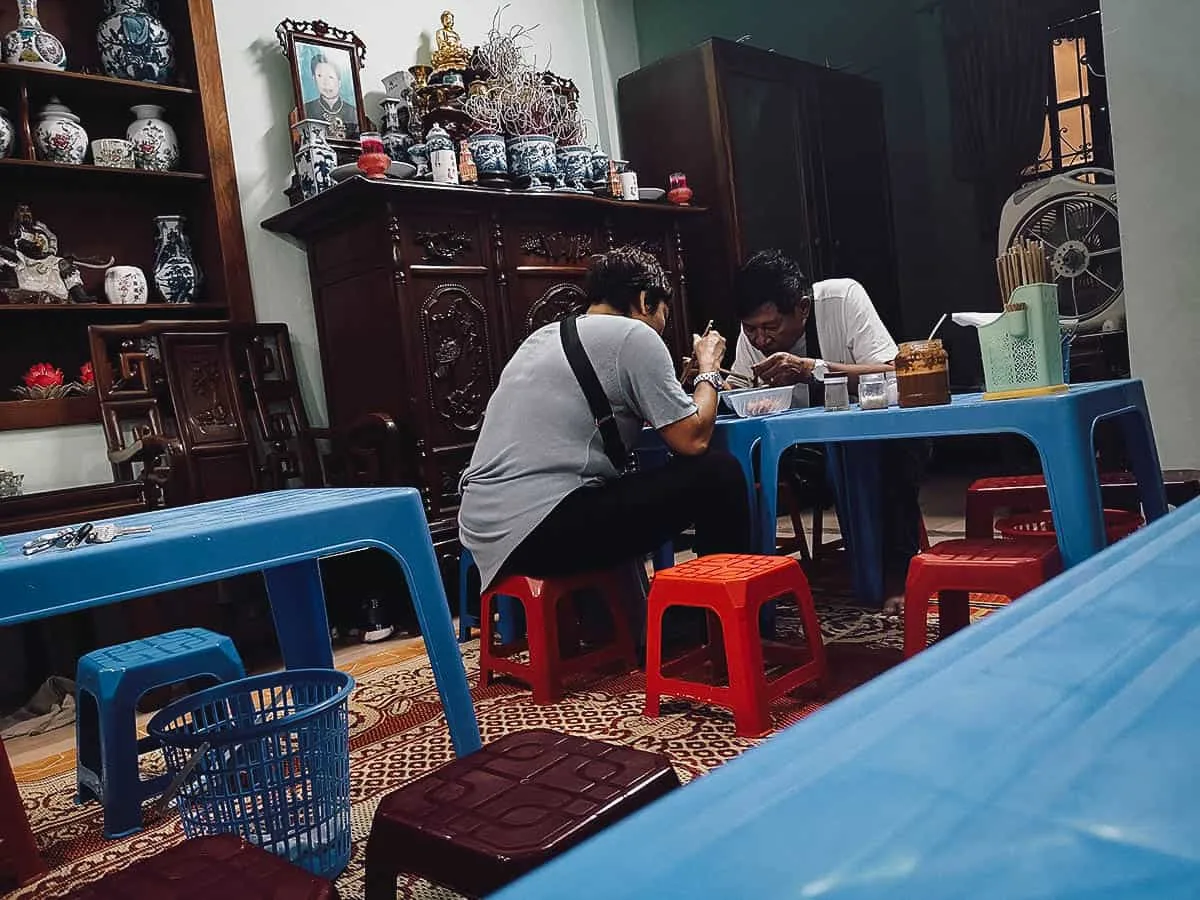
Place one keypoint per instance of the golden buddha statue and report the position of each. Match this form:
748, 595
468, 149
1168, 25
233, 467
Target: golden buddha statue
450, 53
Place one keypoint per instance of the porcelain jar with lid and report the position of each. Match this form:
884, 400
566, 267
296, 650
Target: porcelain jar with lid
58, 136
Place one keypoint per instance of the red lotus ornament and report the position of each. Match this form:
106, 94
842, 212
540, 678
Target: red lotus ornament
43, 375
679, 194
87, 375
44, 382
373, 162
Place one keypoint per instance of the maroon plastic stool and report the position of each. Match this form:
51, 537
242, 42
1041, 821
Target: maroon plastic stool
1027, 493
223, 867
484, 820
19, 859
953, 569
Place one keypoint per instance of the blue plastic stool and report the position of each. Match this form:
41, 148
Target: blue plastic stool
108, 685
508, 608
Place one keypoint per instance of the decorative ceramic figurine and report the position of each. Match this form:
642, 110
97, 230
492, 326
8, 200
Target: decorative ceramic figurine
31, 269
32, 45
533, 156
468, 172
315, 159
575, 166
443, 161
126, 286
155, 144
58, 135
8, 134
490, 155
396, 139
176, 274
450, 55
10, 484
133, 42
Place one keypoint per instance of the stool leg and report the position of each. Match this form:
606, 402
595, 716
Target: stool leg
654, 621
541, 627
747, 682
119, 769
916, 611
465, 619
20, 848
954, 612
980, 516
485, 639
381, 871
812, 634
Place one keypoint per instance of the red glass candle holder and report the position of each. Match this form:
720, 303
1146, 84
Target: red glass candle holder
679, 194
374, 161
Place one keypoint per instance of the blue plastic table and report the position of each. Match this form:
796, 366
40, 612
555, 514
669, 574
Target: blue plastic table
1046, 752
1059, 426
282, 535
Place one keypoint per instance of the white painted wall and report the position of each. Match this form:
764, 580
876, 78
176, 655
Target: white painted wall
1150, 48
259, 96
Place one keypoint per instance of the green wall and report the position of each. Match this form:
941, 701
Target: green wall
944, 264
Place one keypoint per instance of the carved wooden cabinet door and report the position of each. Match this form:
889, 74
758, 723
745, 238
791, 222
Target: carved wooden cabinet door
547, 262
452, 311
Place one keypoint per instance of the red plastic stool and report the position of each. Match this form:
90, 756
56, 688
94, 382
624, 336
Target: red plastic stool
953, 569
19, 858
545, 621
734, 589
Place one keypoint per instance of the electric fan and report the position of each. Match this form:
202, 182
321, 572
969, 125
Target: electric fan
1074, 217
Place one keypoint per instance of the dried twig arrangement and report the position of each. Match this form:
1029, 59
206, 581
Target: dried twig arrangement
1022, 264
503, 54
572, 126
527, 106
484, 110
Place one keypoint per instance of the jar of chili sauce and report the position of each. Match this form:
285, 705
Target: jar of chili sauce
923, 374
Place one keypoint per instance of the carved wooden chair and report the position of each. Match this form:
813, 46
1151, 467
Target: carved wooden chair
207, 410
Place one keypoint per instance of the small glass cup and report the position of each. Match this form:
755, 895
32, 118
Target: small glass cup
374, 161
837, 393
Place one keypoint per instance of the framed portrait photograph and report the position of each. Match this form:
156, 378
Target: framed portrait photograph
326, 62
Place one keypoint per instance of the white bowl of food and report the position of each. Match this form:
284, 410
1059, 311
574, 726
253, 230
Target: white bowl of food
751, 402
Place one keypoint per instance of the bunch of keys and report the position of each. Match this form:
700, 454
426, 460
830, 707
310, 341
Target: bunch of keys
70, 538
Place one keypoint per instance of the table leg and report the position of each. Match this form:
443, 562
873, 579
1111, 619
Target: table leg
1070, 468
854, 470
437, 629
1139, 442
768, 498
298, 607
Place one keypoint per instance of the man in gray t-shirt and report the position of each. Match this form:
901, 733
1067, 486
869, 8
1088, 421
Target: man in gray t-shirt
541, 497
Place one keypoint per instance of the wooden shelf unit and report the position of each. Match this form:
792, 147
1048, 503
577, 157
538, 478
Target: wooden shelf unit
100, 212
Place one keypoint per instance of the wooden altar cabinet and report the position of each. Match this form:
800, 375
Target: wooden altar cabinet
422, 292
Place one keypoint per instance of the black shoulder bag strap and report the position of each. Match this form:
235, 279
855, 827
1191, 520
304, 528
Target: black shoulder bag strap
589, 382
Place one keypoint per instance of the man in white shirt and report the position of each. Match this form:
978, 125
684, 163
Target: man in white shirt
796, 332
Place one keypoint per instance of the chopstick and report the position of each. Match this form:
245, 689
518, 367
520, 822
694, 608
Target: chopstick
1020, 265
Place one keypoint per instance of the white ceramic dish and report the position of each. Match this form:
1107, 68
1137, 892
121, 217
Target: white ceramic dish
651, 194
400, 170
751, 402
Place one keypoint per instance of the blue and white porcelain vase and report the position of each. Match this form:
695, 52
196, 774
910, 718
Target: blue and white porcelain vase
443, 161
490, 155
575, 165
396, 139
58, 137
533, 156
599, 166
176, 274
134, 44
419, 155
315, 159
29, 44
155, 144
8, 134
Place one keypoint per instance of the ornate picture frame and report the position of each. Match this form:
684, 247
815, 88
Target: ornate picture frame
326, 64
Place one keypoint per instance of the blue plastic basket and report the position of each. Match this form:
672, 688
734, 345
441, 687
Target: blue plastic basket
266, 758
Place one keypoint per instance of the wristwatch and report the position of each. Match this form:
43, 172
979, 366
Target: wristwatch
712, 378
820, 369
